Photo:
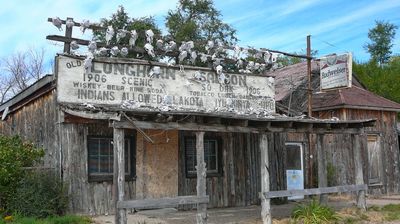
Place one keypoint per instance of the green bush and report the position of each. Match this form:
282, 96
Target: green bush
39, 194
314, 213
14, 155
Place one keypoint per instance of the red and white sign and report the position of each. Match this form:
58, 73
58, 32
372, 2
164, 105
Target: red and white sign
336, 71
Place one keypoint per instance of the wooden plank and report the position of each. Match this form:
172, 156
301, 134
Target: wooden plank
361, 200
186, 126
162, 202
322, 170
201, 178
119, 145
97, 116
265, 202
315, 191
226, 128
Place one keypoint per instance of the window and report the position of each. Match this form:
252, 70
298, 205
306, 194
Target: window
101, 158
374, 160
212, 156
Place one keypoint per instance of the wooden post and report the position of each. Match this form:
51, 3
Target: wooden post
359, 176
265, 202
322, 172
119, 150
309, 89
68, 33
201, 178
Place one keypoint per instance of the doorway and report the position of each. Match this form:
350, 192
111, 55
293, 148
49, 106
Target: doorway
294, 168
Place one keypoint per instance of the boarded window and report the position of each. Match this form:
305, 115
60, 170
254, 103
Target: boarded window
211, 156
374, 159
101, 158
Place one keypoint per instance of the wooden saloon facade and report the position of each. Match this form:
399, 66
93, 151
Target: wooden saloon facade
162, 139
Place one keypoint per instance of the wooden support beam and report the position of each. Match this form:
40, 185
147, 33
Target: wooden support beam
361, 200
201, 178
119, 145
186, 126
68, 33
265, 202
315, 191
162, 202
322, 170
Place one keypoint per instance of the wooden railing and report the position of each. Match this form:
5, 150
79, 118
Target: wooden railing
162, 202
315, 191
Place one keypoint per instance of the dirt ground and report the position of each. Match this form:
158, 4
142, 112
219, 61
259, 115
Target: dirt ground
237, 215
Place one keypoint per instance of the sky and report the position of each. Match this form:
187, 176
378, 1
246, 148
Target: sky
335, 26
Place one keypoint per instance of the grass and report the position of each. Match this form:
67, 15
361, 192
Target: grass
67, 219
314, 213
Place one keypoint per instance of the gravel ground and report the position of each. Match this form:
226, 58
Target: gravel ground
237, 215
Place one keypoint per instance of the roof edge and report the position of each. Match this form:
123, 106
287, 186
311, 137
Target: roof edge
342, 106
27, 92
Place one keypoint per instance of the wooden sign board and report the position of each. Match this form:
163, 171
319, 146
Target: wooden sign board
336, 71
129, 85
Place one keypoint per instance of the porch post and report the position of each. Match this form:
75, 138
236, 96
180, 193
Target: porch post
322, 169
201, 178
119, 174
265, 202
359, 176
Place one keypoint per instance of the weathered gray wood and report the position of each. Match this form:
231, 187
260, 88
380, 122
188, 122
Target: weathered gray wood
322, 170
98, 115
315, 191
68, 34
265, 202
119, 145
225, 128
361, 200
162, 202
201, 178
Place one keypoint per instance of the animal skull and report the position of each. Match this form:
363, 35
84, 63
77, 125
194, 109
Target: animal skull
109, 34
182, 55
134, 37
121, 34
149, 36
114, 51
57, 22
84, 25
160, 44
69, 23
74, 45
92, 46
87, 63
124, 52
149, 49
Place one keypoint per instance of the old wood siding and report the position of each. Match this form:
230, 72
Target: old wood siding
386, 128
338, 149
239, 183
36, 121
86, 197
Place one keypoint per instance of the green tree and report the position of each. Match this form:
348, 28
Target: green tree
198, 21
384, 81
381, 37
120, 20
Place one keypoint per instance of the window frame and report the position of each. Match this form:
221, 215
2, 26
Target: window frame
109, 177
219, 165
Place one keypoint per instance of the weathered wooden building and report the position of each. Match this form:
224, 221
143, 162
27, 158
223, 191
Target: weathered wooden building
381, 156
160, 155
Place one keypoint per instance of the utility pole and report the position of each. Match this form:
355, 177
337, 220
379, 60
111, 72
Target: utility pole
309, 75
